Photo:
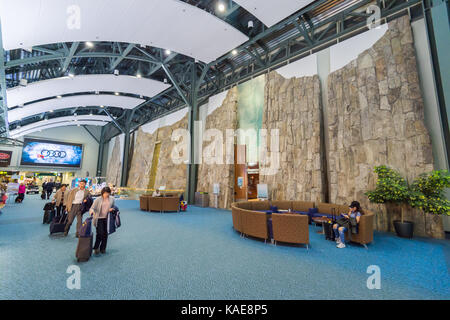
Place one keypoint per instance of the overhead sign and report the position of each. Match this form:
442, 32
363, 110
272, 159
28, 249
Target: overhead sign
5, 158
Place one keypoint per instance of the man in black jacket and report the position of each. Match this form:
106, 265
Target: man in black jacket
49, 188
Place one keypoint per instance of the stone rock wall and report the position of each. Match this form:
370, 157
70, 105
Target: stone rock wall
141, 163
224, 117
114, 170
375, 116
293, 107
168, 174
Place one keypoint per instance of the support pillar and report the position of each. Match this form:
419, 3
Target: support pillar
101, 151
192, 167
126, 149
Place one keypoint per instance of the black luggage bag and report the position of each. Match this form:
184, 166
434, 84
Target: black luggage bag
43, 195
84, 248
58, 224
48, 216
328, 229
49, 212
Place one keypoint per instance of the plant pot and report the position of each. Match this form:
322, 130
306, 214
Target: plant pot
404, 229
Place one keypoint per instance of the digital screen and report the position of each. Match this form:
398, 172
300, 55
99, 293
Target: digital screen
48, 153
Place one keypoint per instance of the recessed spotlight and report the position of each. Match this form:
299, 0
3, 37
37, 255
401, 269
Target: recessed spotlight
78, 125
89, 44
168, 51
234, 52
138, 75
50, 110
116, 93
59, 97
71, 75
102, 106
221, 7
165, 80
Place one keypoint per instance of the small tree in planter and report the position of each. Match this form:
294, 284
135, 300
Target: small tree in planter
427, 192
392, 188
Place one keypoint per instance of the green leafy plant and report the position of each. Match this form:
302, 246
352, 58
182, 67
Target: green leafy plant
427, 192
391, 187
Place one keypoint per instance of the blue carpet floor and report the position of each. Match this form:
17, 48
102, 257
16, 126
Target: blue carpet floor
197, 255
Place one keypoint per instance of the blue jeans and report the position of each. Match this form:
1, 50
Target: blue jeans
340, 234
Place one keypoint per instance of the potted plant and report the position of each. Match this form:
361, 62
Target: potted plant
392, 188
427, 192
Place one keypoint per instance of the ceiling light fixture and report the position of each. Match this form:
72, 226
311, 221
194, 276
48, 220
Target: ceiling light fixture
89, 44
116, 93
59, 97
221, 7
234, 52
168, 52
138, 75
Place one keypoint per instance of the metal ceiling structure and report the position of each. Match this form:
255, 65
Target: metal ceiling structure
319, 24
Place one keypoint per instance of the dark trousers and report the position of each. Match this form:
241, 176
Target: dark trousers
101, 237
60, 209
49, 193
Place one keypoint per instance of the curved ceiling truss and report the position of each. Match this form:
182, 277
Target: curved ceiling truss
318, 25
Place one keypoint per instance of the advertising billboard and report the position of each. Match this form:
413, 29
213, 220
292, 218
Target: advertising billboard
5, 158
47, 153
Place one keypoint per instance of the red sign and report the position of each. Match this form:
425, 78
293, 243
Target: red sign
5, 158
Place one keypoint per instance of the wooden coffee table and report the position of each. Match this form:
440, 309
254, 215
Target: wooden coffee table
321, 220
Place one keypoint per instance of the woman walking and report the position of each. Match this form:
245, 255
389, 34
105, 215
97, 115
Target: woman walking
22, 190
100, 210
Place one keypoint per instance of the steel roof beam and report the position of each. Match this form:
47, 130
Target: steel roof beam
69, 57
4, 105
123, 55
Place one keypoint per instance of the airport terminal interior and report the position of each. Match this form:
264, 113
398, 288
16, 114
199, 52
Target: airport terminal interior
224, 149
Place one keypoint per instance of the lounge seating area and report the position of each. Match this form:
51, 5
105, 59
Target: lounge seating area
166, 203
288, 221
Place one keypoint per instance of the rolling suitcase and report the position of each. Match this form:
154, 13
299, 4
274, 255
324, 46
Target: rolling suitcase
43, 195
328, 229
58, 224
84, 247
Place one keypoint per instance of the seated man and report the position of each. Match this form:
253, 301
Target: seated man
156, 193
344, 223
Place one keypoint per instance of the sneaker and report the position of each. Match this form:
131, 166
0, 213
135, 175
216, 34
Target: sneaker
96, 251
341, 245
338, 240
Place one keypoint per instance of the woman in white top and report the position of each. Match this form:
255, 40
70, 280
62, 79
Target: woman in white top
99, 210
